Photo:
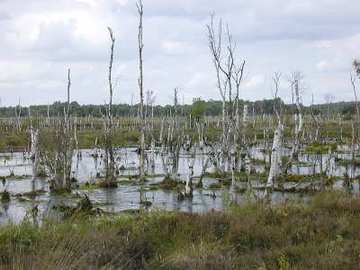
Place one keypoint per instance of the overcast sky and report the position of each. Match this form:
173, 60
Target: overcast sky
40, 39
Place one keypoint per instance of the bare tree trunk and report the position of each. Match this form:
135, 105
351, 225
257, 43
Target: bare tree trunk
109, 150
34, 152
275, 159
58, 161
191, 151
298, 118
141, 85
275, 156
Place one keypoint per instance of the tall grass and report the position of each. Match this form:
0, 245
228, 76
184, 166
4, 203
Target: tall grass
321, 235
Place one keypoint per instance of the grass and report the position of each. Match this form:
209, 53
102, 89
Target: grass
305, 178
5, 196
225, 177
348, 162
167, 184
215, 186
320, 235
31, 194
318, 148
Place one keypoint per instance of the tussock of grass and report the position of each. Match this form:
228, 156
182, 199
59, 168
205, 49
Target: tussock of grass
240, 176
301, 178
321, 235
31, 194
318, 148
169, 183
5, 196
215, 186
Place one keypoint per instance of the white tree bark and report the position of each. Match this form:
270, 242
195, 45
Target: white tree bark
298, 117
275, 156
34, 153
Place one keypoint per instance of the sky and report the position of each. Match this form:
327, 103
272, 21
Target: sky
41, 39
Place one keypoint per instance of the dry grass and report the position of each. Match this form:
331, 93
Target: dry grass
321, 235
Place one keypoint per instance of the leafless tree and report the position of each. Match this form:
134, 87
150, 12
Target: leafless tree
34, 151
354, 76
229, 76
57, 156
316, 121
109, 149
140, 9
18, 111
275, 162
295, 81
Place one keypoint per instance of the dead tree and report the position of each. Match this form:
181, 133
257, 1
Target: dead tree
275, 162
355, 123
57, 153
298, 117
109, 149
190, 151
149, 113
316, 121
140, 9
18, 111
229, 77
34, 151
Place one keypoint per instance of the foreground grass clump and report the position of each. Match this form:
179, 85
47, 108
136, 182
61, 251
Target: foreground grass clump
321, 235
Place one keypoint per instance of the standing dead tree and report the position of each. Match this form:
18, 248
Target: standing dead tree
356, 65
110, 180
316, 121
57, 151
149, 113
171, 140
355, 124
18, 111
34, 143
298, 117
229, 76
140, 9
275, 161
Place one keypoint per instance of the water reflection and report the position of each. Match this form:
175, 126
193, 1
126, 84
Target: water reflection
128, 197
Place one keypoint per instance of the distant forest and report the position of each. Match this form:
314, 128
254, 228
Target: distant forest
198, 108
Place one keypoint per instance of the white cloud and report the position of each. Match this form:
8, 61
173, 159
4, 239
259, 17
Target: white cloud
323, 65
40, 39
254, 81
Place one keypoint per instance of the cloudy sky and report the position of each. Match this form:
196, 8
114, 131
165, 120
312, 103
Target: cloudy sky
40, 39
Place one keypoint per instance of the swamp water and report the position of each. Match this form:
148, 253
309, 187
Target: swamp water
127, 195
